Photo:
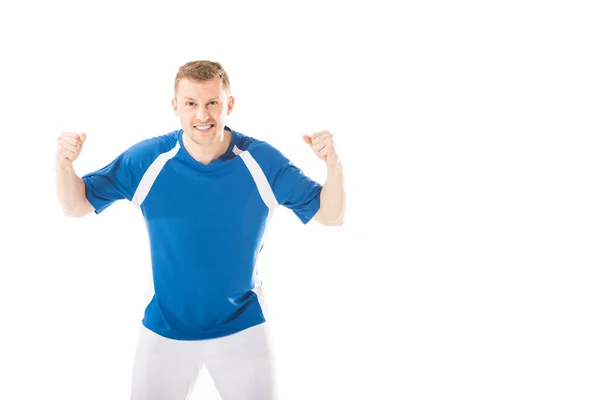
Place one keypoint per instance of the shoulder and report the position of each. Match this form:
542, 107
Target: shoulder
149, 149
263, 152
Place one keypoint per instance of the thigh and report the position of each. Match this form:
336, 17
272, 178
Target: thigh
164, 369
242, 365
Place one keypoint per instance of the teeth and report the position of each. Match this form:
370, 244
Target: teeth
203, 127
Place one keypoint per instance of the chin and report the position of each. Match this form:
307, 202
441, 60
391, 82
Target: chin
203, 139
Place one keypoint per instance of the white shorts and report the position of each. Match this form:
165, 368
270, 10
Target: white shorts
241, 366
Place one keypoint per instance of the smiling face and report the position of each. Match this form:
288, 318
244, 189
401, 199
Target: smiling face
202, 108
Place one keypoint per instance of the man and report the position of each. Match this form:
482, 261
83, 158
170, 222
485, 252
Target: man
207, 193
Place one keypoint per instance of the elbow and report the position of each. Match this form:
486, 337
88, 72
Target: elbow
75, 212
71, 213
325, 218
337, 222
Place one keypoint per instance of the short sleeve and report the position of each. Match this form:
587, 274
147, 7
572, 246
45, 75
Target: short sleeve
291, 187
109, 184
119, 179
296, 191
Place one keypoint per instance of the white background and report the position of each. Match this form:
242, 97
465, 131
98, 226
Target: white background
468, 264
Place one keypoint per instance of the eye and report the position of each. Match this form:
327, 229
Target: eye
213, 103
189, 103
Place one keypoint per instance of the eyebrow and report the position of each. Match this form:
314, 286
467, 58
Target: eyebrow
214, 98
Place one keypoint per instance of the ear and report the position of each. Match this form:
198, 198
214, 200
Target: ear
230, 105
174, 104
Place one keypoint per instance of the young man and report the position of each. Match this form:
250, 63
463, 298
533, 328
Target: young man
207, 193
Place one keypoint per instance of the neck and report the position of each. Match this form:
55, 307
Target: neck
206, 154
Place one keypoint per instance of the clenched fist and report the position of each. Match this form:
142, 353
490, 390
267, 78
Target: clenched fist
68, 147
322, 145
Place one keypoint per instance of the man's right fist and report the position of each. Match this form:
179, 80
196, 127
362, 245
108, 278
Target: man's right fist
68, 147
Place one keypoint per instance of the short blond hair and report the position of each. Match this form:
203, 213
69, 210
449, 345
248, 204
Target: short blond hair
203, 70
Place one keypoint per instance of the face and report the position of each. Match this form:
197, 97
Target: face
202, 108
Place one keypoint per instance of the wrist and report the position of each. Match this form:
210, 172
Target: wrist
335, 164
64, 166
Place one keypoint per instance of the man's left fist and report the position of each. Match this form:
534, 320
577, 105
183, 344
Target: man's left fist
323, 147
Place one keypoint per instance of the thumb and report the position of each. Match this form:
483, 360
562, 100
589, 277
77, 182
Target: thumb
82, 137
307, 140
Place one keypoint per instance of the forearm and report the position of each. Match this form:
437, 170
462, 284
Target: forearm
333, 196
71, 191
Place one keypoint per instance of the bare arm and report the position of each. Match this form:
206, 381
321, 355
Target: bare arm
70, 188
333, 195
71, 193
333, 198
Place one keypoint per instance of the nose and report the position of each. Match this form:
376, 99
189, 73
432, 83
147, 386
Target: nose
202, 114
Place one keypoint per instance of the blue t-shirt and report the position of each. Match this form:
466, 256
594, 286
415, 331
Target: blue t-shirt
206, 225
